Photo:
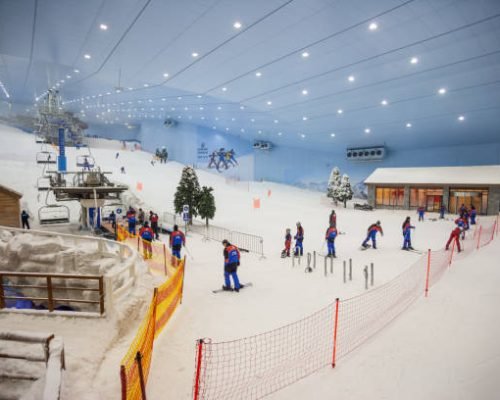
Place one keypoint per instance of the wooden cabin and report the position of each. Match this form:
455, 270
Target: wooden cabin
10, 207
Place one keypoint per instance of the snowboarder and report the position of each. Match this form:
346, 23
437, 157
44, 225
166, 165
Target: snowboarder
231, 264
407, 227
288, 242
153, 219
455, 235
333, 219
442, 210
299, 238
473, 214
146, 234
371, 234
331, 234
24, 219
177, 240
421, 212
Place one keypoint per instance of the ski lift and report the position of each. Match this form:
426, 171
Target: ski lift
80, 161
43, 183
118, 208
46, 157
53, 214
40, 139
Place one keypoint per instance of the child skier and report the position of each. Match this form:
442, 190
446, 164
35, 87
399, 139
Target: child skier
372, 234
288, 243
421, 212
333, 219
473, 214
331, 234
146, 234
407, 227
131, 223
455, 235
177, 240
299, 238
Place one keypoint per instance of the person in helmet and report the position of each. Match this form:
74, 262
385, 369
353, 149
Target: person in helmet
371, 234
177, 240
299, 238
231, 264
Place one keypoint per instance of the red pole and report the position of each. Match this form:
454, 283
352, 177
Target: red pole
452, 250
493, 232
198, 370
479, 236
335, 332
497, 225
137, 243
165, 258
123, 378
428, 272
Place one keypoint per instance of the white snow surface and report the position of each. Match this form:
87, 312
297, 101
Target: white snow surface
470, 175
443, 347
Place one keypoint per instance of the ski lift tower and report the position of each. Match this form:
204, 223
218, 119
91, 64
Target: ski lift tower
50, 115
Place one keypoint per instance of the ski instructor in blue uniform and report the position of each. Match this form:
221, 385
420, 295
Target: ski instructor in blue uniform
231, 263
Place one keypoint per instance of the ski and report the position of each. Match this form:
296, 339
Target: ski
243, 286
414, 251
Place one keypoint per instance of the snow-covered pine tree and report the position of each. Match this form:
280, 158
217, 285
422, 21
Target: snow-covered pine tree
344, 191
187, 192
206, 203
333, 183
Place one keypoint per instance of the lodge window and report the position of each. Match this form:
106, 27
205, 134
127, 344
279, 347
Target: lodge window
390, 196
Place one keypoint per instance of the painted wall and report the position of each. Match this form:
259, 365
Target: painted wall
115, 132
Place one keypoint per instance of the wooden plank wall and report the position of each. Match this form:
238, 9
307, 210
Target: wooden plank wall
10, 209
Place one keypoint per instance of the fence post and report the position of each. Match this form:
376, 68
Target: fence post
350, 269
165, 258
198, 369
366, 276
479, 236
326, 266
50, 298
138, 243
372, 277
123, 378
452, 250
344, 271
182, 282
138, 358
334, 357
493, 231
101, 294
314, 259
428, 272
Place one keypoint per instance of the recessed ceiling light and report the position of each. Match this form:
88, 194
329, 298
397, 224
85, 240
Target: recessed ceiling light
302, 135
213, 127
76, 71
367, 130
219, 108
275, 121
103, 27
252, 119
384, 102
194, 54
258, 74
237, 25
199, 96
304, 118
179, 98
269, 102
242, 107
172, 108
242, 130
305, 92
442, 91
87, 56
332, 134
340, 111
461, 118
165, 75
233, 119
408, 125
224, 89
351, 78
146, 85
259, 132
186, 108
414, 60
305, 54
202, 117
373, 26
68, 76
216, 118
280, 133
201, 108
227, 129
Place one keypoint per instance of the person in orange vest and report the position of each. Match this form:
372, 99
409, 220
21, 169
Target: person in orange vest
231, 264
455, 235
177, 240
331, 234
146, 234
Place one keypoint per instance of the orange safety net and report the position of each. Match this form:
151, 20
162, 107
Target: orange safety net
143, 343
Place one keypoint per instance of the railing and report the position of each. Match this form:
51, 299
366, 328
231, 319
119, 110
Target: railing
52, 357
50, 288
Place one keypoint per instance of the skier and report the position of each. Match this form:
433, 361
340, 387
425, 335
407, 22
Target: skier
442, 210
232, 159
212, 160
146, 234
24, 219
462, 209
112, 219
153, 219
299, 238
407, 227
473, 214
455, 235
86, 164
231, 263
288, 242
421, 212
177, 240
333, 219
331, 234
222, 159
131, 223
117, 155
371, 234
141, 217
122, 170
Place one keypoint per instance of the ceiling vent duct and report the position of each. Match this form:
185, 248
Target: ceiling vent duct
374, 153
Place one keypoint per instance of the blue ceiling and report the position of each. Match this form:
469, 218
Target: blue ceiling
456, 42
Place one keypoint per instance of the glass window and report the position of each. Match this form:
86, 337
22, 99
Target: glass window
426, 197
393, 197
476, 197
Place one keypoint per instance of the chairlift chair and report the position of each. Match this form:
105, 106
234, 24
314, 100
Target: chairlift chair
46, 157
40, 139
53, 214
43, 183
80, 161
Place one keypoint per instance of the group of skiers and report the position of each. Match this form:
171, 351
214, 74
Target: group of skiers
222, 158
161, 155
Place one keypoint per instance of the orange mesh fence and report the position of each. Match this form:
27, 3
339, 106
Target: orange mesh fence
486, 235
142, 343
169, 296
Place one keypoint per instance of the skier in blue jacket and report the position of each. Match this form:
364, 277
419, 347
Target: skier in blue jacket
407, 227
299, 238
372, 234
331, 234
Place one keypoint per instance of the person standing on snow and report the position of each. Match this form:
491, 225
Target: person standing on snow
24, 219
177, 240
299, 238
231, 264
421, 212
288, 243
333, 219
331, 234
372, 234
407, 227
455, 236
146, 234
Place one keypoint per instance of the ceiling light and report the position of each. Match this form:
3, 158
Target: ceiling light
332, 134
242, 130
276, 121
384, 102
201, 108
227, 129
224, 89
408, 125
165, 75
202, 117
373, 26
280, 133
442, 91
103, 27
163, 99
302, 135
237, 25
179, 98
414, 60
146, 85
213, 127
219, 108
233, 119
87, 56
199, 96
242, 107
340, 111
461, 118
76, 71
259, 132
367, 130
68, 76
194, 54
351, 78
216, 118
305, 92
305, 54
269, 102
258, 74
304, 118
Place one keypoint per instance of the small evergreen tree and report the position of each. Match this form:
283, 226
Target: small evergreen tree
187, 192
333, 184
206, 203
344, 191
